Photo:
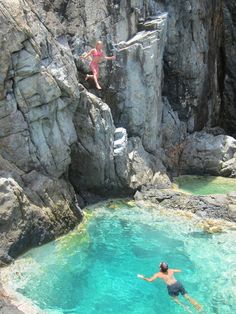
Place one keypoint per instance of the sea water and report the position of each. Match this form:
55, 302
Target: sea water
94, 268
203, 185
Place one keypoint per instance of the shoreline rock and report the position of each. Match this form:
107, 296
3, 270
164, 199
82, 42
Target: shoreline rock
218, 206
33, 213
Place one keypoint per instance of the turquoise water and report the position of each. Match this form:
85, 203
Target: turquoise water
93, 269
203, 185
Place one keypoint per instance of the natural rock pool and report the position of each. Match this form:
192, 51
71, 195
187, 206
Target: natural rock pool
94, 268
203, 185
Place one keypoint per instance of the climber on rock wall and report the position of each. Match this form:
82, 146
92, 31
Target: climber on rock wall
97, 55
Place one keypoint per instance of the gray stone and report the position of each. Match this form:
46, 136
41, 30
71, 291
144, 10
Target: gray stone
204, 153
192, 61
39, 94
144, 167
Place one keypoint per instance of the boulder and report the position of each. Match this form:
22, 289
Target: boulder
205, 153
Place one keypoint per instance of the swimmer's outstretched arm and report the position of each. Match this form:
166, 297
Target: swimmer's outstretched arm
176, 270
154, 277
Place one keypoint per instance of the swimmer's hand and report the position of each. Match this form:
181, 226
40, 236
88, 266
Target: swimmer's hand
140, 276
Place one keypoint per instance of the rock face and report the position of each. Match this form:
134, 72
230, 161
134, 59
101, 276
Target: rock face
113, 161
192, 61
92, 166
103, 159
229, 63
38, 98
138, 103
173, 76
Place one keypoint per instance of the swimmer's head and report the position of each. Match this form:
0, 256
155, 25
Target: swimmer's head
163, 267
99, 44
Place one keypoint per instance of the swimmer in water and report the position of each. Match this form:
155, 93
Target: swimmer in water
174, 287
97, 55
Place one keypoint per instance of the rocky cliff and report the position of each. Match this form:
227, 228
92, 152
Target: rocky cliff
162, 102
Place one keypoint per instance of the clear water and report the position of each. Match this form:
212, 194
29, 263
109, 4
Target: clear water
93, 269
203, 185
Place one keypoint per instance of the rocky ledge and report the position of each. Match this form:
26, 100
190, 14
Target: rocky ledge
216, 206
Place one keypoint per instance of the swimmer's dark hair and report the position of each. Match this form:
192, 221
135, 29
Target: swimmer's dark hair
163, 267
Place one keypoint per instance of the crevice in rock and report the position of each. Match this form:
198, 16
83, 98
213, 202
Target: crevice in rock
192, 32
63, 9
